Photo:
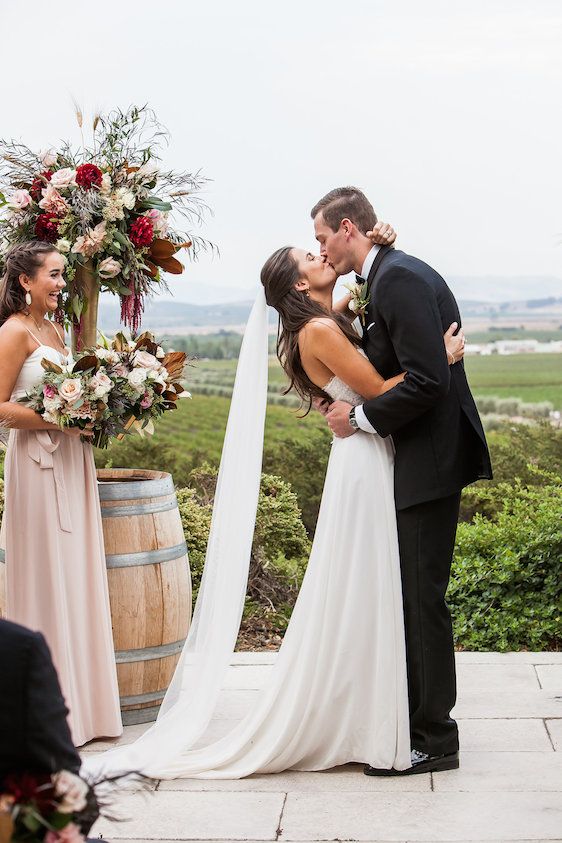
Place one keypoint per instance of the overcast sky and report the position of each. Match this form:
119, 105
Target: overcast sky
447, 114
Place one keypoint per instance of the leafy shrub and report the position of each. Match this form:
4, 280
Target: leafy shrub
505, 590
303, 463
280, 547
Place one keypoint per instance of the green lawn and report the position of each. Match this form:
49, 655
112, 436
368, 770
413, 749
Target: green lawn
530, 377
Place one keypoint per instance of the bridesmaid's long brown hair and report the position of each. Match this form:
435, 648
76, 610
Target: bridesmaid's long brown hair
279, 275
23, 259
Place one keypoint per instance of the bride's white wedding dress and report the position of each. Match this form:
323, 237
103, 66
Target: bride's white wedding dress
337, 691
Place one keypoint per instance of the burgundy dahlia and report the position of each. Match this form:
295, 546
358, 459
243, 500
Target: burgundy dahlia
87, 175
39, 183
141, 232
47, 228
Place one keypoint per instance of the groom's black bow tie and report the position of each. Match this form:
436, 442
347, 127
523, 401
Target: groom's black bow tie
360, 280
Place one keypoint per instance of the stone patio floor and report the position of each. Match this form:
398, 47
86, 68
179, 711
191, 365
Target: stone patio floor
509, 786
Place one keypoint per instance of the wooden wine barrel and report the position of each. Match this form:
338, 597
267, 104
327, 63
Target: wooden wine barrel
149, 584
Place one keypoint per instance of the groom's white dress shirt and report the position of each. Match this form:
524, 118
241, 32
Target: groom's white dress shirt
360, 416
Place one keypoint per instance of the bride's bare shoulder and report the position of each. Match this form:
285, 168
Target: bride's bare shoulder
320, 329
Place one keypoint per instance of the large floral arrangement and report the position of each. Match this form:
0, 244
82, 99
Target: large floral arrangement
107, 207
111, 389
42, 807
58, 808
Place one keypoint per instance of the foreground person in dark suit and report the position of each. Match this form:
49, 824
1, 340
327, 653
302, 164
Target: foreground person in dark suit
440, 448
34, 734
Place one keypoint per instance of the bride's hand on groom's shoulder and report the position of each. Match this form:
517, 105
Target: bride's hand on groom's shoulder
382, 234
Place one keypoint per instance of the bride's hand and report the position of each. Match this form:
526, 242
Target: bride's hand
454, 344
382, 234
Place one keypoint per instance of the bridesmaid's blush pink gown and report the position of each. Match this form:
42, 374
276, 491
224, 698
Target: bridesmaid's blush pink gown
55, 564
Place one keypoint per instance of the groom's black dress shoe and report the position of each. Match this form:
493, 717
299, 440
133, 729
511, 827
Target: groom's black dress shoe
421, 763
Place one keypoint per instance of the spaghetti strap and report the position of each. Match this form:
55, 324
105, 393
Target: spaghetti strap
52, 324
29, 331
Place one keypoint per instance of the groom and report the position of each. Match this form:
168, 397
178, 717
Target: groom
440, 448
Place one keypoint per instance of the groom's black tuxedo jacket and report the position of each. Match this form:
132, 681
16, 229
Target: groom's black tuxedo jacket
34, 734
437, 432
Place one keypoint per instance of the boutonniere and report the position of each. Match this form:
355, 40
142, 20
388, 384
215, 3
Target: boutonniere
360, 298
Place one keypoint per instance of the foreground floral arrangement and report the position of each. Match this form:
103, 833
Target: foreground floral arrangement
36, 808
58, 808
111, 389
106, 207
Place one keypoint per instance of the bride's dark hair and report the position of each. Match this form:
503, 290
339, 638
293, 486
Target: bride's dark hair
23, 259
279, 275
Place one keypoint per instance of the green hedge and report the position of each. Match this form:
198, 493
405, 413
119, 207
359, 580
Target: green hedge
505, 590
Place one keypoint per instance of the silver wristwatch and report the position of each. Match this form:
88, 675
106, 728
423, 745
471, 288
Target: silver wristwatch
352, 419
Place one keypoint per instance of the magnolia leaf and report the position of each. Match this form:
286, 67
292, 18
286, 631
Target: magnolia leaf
174, 363
160, 248
144, 339
49, 366
171, 265
120, 342
3, 200
89, 361
168, 395
152, 268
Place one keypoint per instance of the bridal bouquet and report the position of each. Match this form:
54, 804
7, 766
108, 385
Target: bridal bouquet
106, 207
111, 389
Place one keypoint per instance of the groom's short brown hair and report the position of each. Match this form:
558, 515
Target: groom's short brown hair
346, 203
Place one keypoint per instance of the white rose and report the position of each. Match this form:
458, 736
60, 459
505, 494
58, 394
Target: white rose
352, 306
101, 384
160, 352
64, 178
126, 197
52, 404
109, 268
63, 245
137, 378
73, 789
105, 186
48, 157
108, 355
146, 360
20, 200
71, 389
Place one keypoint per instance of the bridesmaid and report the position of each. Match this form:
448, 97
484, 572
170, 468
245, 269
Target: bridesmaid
55, 565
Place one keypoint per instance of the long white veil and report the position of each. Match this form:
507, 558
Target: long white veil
193, 693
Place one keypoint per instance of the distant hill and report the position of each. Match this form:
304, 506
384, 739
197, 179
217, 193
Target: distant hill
229, 307
497, 289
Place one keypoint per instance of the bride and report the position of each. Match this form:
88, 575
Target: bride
337, 692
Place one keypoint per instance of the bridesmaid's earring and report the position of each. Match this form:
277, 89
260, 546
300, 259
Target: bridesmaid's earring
28, 298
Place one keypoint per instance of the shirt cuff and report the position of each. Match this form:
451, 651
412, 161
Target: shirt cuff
362, 420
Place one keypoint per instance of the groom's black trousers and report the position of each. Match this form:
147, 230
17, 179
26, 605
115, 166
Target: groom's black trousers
426, 535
